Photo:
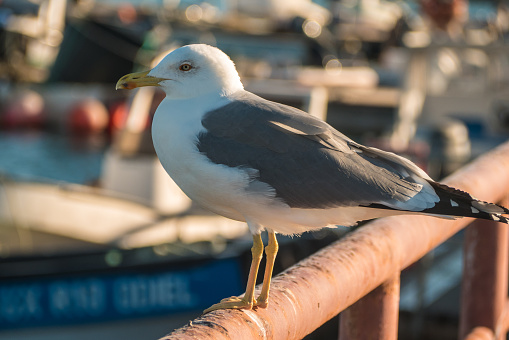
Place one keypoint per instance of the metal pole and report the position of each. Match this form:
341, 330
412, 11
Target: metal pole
480, 333
375, 316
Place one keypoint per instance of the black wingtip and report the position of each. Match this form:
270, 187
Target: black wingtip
460, 203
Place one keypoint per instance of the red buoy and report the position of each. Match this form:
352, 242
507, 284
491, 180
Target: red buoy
88, 116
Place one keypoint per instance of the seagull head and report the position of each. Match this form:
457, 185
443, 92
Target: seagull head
187, 72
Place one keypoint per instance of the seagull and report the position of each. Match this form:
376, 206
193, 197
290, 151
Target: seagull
275, 167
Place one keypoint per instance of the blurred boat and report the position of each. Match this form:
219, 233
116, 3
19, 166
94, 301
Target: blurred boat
100, 217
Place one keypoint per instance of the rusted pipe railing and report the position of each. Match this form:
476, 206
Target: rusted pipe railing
319, 287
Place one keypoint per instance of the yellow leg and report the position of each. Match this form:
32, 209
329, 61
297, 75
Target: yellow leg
271, 252
248, 301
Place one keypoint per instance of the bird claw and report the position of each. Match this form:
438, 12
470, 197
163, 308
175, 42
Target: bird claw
233, 302
262, 303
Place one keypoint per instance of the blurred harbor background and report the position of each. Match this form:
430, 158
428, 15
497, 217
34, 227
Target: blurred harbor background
97, 242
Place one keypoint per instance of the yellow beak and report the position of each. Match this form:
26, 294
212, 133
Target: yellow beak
133, 80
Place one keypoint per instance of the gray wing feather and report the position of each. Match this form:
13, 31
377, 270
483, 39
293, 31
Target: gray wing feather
306, 161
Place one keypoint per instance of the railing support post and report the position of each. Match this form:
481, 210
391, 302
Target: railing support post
375, 316
485, 270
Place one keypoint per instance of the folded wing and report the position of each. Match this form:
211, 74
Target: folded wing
307, 162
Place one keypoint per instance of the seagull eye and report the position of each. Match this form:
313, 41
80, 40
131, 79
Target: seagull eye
185, 67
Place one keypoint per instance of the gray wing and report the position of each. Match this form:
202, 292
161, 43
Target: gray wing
306, 161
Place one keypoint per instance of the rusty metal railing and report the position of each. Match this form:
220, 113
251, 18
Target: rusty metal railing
359, 275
